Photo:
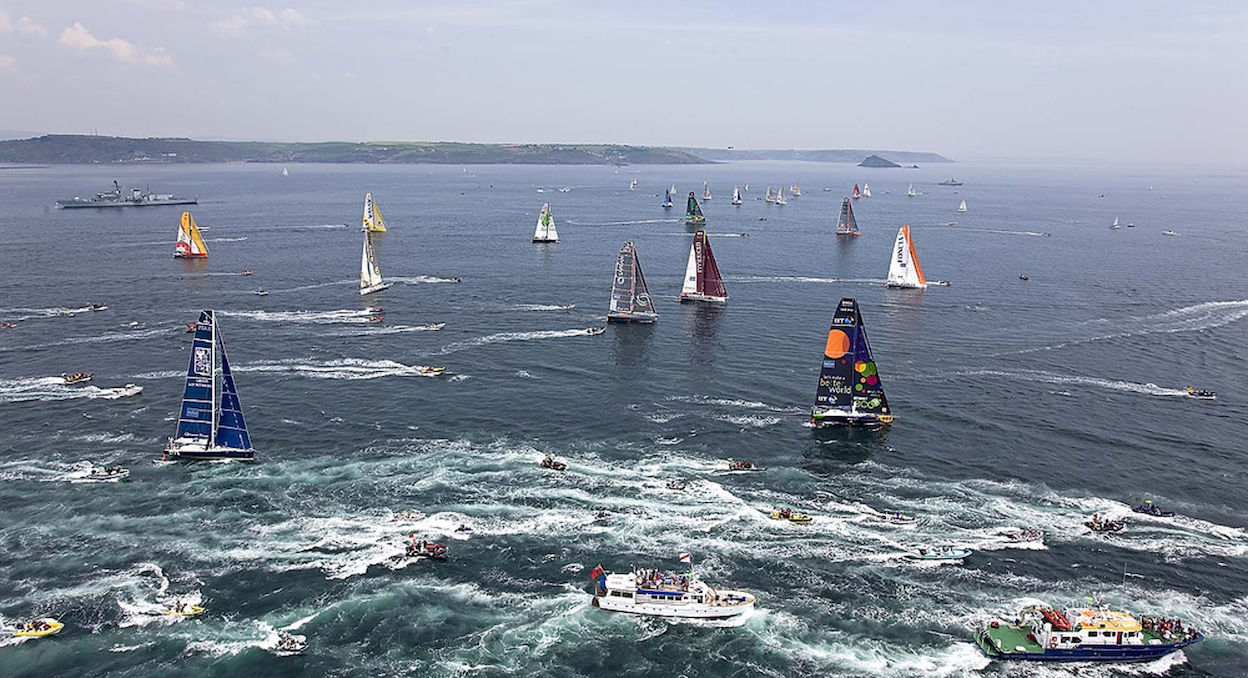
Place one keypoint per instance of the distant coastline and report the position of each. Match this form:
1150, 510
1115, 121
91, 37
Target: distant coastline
90, 149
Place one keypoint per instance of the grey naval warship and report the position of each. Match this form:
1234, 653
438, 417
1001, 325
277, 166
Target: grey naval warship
135, 198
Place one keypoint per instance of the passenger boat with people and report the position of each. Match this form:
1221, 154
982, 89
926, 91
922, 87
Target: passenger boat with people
790, 515
431, 370
1149, 508
184, 609
425, 549
743, 465
667, 594
1200, 394
76, 377
899, 518
289, 644
941, 553
1042, 633
1105, 525
595, 330
553, 464
102, 474
38, 628
1024, 536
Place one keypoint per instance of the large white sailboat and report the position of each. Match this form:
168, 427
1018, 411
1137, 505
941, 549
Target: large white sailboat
372, 216
962, 206
736, 195
210, 424
866, 190
706, 191
545, 231
910, 192
769, 197
904, 269
780, 196
702, 279
370, 274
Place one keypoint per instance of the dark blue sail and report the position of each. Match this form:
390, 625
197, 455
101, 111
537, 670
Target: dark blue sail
231, 429
848, 378
195, 420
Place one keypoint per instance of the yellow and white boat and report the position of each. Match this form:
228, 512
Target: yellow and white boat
39, 628
185, 611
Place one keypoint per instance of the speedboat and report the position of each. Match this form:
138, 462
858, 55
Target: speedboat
660, 594
247, 272
1023, 536
426, 549
1149, 508
7, 326
1024, 276
1105, 525
596, 330
553, 464
430, 370
742, 465
940, 553
1169, 232
262, 292
181, 609
1200, 394
77, 377
677, 484
107, 473
289, 644
463, 529
602, 516
791, 516
98, 307
899, 518
376, 319
38, 628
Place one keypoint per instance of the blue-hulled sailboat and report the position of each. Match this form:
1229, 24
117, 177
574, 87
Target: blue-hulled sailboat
210, 424
850, 391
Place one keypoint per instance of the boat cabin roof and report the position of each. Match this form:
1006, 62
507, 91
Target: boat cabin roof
1112, 620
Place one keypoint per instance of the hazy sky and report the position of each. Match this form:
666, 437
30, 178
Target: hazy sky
1109, 80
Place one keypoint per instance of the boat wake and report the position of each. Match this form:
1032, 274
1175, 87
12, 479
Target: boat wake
371, 330
1197, 317
104, 338
318, 317
625, 223
16, 314
349, 369
1150, 389
55, 388
998, 231
503, 337
422, 280
541, 307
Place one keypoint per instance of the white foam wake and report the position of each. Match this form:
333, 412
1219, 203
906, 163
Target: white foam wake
503, 337
349, 369
1079, 380
318, 317
542, 307
421, 279
55, 388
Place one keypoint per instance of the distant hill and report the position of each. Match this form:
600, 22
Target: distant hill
72, 148
839, 155
877, 161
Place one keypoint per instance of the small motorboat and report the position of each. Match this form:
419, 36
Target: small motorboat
791, 516
7, 326
376, 319
1169, 232
602, 516
553, 464
899, 518
596, 330
374, 309
262, 292
1151, 509
190, 328
38, 628
426, 549
181, 609
456, 280
1200, 394
98, 307
463, 529
1024, 536
941, 553
289, 644
65, 313
1024, 276
1105, 525
677, 484
247, 271
430, 370
77, 377
107, 473
742, 465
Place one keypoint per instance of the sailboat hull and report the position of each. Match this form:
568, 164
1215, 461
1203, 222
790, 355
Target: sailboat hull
645, 318
695, 296
545, 240
198, 451
374, 288
842, 418
904, 286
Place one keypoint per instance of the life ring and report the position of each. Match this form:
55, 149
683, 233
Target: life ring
1053, 642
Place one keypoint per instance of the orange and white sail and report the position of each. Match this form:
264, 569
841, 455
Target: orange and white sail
904, 269
372, 216
189, 243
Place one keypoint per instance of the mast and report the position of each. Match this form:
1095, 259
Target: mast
212, 318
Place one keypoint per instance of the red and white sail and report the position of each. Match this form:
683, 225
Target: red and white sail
189, 243
702, 279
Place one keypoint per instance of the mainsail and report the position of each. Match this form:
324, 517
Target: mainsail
545, 231
910, 191
702, 279
847, 224
667, 198
904, 269
210, 426
706, 191
370, 274
736, 195
866, 190
962, 206
796, 190
857, 193
769, 197
849, 390
630, 298
693, 212
189, 243
372, 217
780, 196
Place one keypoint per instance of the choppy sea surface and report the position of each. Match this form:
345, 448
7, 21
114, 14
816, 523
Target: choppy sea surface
1021, 404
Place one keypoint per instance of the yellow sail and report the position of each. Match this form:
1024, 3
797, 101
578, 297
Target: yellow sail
372, 216
189, 243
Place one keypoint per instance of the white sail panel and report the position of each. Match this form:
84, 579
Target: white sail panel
691, 270
545, 231
904, 269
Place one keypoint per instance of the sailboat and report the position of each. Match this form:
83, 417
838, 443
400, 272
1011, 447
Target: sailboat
285, 173
736, 195
706, 191
904, 270
545, 231
849, 391
796, 190
856, 193
370, 275
372, 217
769, 197
667, 199
866, 190
630, 298
962, 206
910, 191
1115, 225
780, 196
693, 212
632, 185
210, 425
189, 243
702, 279
847, 224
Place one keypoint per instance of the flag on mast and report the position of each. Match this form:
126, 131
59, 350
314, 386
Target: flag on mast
686, 558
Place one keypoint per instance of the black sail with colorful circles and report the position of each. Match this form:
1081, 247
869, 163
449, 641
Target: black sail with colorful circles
849, 378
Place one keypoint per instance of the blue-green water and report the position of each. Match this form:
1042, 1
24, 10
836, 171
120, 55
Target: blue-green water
1021, 404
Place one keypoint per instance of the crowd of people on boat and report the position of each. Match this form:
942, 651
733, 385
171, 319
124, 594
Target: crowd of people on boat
36, 625
1168, 628
658, 579
1099, 524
